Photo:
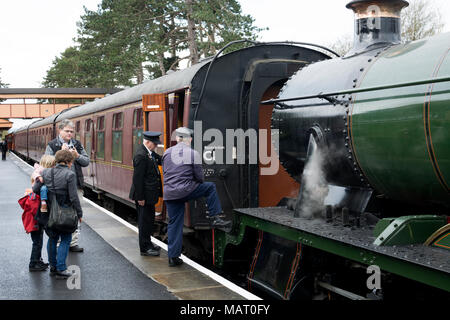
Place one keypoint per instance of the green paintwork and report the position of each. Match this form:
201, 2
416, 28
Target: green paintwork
388, 128
408, 230
412, 271
381, 225
443, 241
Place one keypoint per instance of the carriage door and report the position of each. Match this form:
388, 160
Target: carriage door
89, 146
155, 108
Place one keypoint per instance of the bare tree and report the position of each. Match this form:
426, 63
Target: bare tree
420, 20
342, 45
3, 85
193, 48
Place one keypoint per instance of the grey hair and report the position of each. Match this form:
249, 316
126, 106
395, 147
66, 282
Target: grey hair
185, 140
65, 123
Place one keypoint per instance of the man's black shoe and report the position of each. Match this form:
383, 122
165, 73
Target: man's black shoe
63, 274
76, 249
150, 252
219, 223
52, 271
173, 262
155, 247
38, 267
41, 262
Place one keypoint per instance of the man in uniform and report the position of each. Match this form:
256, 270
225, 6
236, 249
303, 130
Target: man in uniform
64, 141
184, 181
146, 188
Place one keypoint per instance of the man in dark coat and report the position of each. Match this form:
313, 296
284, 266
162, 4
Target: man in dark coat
3, 148
146, 189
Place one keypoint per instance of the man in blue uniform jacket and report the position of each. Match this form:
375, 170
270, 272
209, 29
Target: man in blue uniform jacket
146, 188
184, 181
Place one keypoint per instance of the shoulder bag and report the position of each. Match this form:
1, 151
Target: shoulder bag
63, 219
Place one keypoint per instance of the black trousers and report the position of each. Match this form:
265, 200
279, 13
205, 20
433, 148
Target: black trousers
3, 155
36, 249
146, 219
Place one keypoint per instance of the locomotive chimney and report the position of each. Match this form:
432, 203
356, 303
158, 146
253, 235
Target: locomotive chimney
376, 21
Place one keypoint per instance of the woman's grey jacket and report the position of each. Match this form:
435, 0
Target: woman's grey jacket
65, 186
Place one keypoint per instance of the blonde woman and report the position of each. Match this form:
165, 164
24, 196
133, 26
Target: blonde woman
36, 263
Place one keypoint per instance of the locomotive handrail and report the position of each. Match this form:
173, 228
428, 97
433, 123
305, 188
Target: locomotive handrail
255, 43
197, 103
303, 44
328, 96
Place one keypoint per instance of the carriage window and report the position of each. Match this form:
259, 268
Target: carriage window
101, 123
101, 145
100, 137
77, 131
117, 121
156, 123
116, 154
137, 129
137, 118
88, 136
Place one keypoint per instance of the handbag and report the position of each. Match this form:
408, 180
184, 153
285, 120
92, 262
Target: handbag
61, 218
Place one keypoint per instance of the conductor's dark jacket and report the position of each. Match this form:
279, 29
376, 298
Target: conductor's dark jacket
146, 183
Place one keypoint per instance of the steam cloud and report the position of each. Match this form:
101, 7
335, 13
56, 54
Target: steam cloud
314, 187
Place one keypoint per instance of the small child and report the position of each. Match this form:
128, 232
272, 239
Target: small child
36, 263
47, 161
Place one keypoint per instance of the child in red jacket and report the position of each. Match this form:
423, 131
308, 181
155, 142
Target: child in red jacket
33, 205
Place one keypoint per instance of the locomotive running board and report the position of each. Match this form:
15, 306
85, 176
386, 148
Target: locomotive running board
417, 262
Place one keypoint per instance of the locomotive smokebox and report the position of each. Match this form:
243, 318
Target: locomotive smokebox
376, 22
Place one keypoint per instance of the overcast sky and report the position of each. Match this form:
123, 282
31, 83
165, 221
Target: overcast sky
33, 32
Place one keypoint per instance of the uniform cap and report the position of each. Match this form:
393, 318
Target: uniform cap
152, 136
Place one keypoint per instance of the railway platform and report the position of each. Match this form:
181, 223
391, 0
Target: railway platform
110, 268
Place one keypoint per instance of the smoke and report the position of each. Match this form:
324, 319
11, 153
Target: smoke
314, 186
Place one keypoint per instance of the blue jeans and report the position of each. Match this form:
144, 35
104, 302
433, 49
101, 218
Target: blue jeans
43, 193
175, 210
57, 256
